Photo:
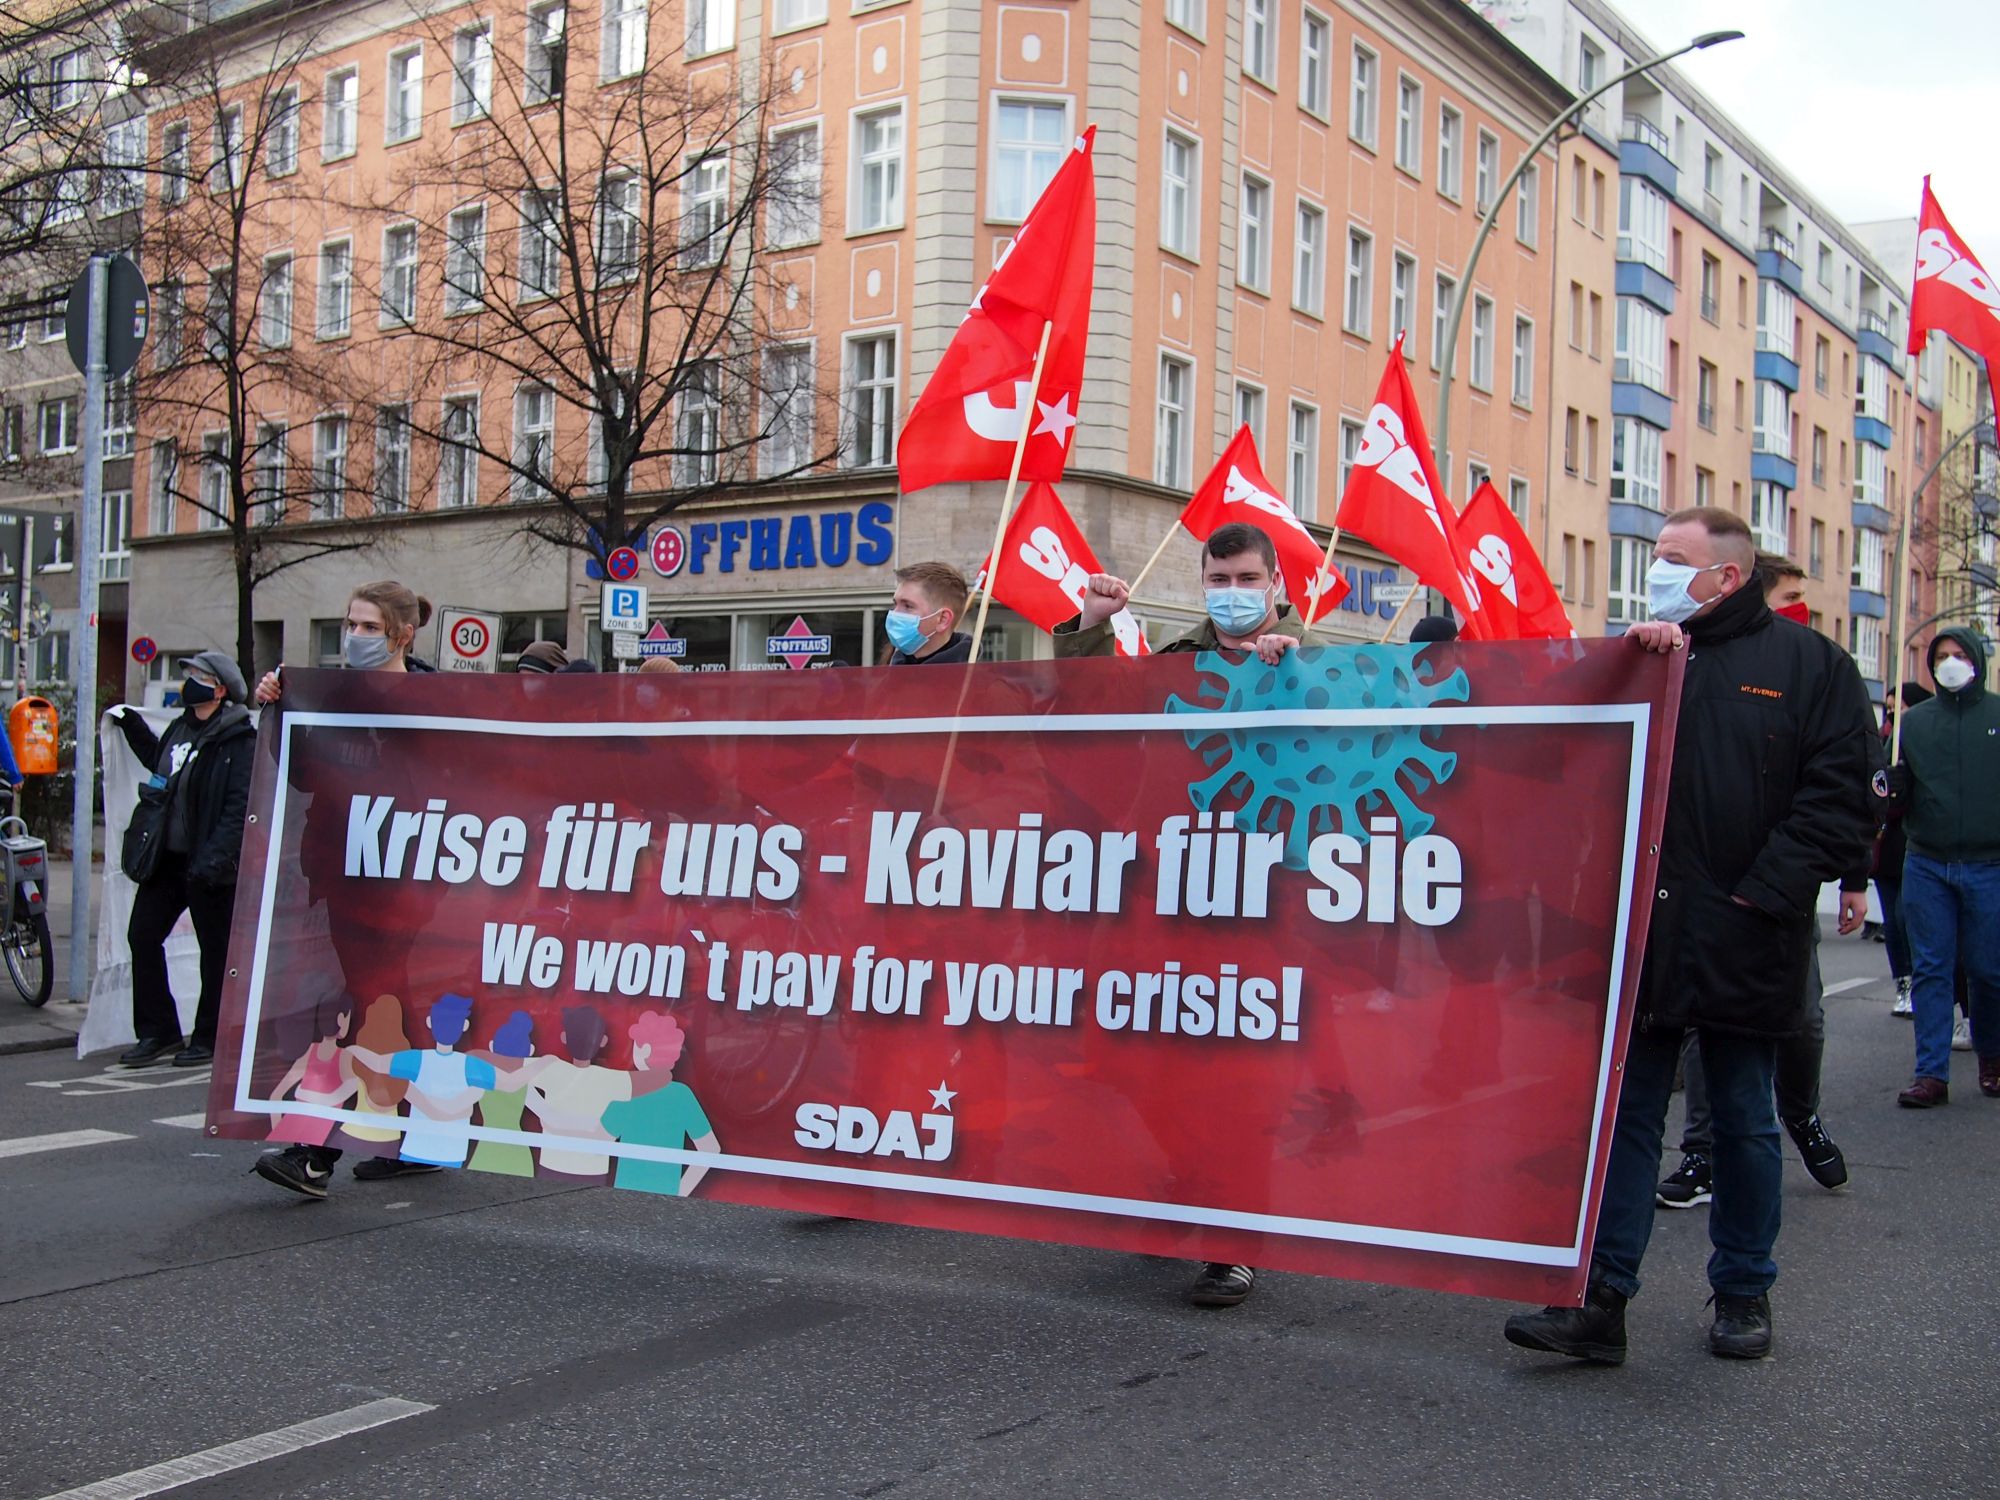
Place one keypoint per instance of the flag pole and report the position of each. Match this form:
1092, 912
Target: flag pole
1158, 552
1326, 571
1397, 618
1007, 502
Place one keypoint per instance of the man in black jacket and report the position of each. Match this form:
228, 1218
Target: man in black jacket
930, 600
1767, 800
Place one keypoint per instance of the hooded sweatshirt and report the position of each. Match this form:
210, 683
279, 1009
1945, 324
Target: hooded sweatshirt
1952, 747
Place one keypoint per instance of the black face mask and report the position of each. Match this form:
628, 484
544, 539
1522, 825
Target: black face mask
194, 693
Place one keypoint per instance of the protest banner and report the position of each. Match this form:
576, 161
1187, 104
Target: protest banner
1325, 966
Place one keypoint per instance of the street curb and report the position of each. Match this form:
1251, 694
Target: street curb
38, 1044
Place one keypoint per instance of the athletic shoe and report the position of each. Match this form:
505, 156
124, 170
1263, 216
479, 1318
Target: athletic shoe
1691, 1184
1742, 1327
1221, 1285
1903, 1005
380, 1168
1593, 1332
1925, 1093
295, 1169
1822, 1158
149, 1054
1961, 1033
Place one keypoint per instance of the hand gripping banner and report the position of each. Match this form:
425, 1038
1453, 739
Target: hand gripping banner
1324, 966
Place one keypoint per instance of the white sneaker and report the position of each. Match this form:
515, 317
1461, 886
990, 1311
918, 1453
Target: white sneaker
1902, 1005
1961, 1033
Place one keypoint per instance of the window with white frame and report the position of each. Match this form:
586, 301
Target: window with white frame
122, 183
392, 459
870, 379
164, 474
1625, 600
1485, 170
1409, 125
121, 417
1524, 362
1476, 474
1302, 459
791, 14
1642, 223
1359, 301
1260, 41
1770, 519
55, 313
1364, 102
458, 460
792, 211
399, 275
1350, 450
465, 259
218, 316
329, 500
1528, 207
1253, 241
705, 213
623, 52
1309, 260
1185, 14
1403, 299
1640, 355
174, 164
1482, 342
877, 190
1773, 430
1517, 498
617, 228
281, 145
403, 109
790, 392
1442, 291
336, 289
711, 26
169, 323
340, 114
1864, 644
472, 73
57, 420
1180, 193
13, 438
534, 442
698, 424
548, 52
114, 550
1173, 423
225, 170
270, 473
212, 507
1870, 473
1249, 410
1030, 141
1635, 463
66, 79
1451, 156
540, 258
1872, 387
1316, 63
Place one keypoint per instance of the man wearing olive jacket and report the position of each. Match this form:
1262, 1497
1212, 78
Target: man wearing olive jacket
1767, 800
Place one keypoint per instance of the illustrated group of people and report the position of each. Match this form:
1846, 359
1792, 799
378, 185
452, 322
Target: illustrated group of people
1779, 784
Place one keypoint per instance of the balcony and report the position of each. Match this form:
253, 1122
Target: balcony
1638, 128
1778, 261
1874, 431
1874, 322
1773, 239
1872, 339
1778, 444
1642, 152
1711, 307
1704, 413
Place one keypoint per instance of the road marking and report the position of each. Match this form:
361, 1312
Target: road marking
210, 1462
185, 1122
118, 1081
1848, 984
28, 1145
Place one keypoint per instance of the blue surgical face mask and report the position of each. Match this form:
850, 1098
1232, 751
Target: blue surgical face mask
1667, 589
906, 631
365, 653
1237, 612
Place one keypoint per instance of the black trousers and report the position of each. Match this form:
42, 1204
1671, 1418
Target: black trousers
156, 906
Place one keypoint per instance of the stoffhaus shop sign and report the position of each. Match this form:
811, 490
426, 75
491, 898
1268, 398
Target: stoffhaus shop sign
808, 541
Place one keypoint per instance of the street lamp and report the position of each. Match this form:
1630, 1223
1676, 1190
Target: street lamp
1442, 427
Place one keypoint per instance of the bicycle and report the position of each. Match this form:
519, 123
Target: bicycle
25, 945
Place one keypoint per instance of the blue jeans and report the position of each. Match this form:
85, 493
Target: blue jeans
1952, 912
1796, 1085
1748, 1161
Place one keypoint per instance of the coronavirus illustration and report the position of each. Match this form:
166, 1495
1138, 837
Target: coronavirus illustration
1304, 780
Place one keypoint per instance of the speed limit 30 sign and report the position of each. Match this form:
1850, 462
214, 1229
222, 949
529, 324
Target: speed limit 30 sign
468, 640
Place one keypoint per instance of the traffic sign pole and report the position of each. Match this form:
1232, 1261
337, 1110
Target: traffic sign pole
83, 659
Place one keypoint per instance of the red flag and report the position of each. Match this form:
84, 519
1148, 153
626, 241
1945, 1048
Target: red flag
1237, 491
1045, 564
965, 424
1395, 500
1518, 602
1951, 291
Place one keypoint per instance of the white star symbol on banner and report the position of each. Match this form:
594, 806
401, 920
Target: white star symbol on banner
941, 1097
1054, 420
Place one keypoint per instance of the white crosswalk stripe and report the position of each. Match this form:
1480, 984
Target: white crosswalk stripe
62, 1140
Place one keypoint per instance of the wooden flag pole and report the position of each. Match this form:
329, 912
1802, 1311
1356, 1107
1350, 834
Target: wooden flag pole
1158, 552
1326, 571
1397, 619
1007, 502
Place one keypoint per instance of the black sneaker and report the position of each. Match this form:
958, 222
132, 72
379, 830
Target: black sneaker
1691, 1184
1821, 1156
1593, 1332
149, 1054
381, 1168
1742, 1327
1221, 1285
294, 1168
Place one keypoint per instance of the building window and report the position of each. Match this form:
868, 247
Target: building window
340, 114
871, 401
213, 505
57, 421
1770, 522
1571, 440
1873, 389
1482, 342
617, 228
1260, 42
225, 171
1527, 207
878, 170
174, 169
1635, 463
1626, 599
534, 442
1642, 223
1711, 174
1253, 244
1777, 312
465, 259
14, 434
1250, 411
1403, 299
1365, 110
472, 73
1180, 194
66, 76
541, 243
1640, 355
1302, 459
1816, 549
1707, 385
218, 317
1773, 431
458, 467
624, 46
1350, 450
1451, 132
1704, 486
792, 212
399, 275
392, 459
403, 113
1443, 291
121, 420
1410, 125
55, 313
336, 289
169, 321
1870, 466
1711, 288
1316, 64
1031, 139
1185, 14
1819, 457
165, 475
1360, 296
1589, 65
790, 389
1822, 357
1309, 261
548, 52
1825, 273
270, 466
281, 151
1172, 423
699, 437
330, 468
1517, 498
1524, 362
704, 223
122, 184
1476, 474
1485, 171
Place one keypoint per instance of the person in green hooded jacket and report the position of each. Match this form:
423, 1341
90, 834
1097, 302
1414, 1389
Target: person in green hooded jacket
1945, 789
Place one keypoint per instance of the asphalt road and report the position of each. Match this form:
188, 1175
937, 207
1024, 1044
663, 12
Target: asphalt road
156, 1301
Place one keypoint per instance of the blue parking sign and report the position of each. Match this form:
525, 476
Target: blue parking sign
624, 607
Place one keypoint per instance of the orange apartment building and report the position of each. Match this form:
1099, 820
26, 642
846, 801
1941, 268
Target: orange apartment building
1282, 188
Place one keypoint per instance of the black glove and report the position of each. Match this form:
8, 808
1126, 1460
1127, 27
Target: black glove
1897, 784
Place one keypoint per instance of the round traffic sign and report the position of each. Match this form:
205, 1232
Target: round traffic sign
469, 638
669, 552
124, 318
622, 565
145, 649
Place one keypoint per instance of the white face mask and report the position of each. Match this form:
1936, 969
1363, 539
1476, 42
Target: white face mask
1954, 674
1667, 589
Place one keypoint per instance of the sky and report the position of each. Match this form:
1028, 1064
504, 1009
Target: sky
1857, 99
